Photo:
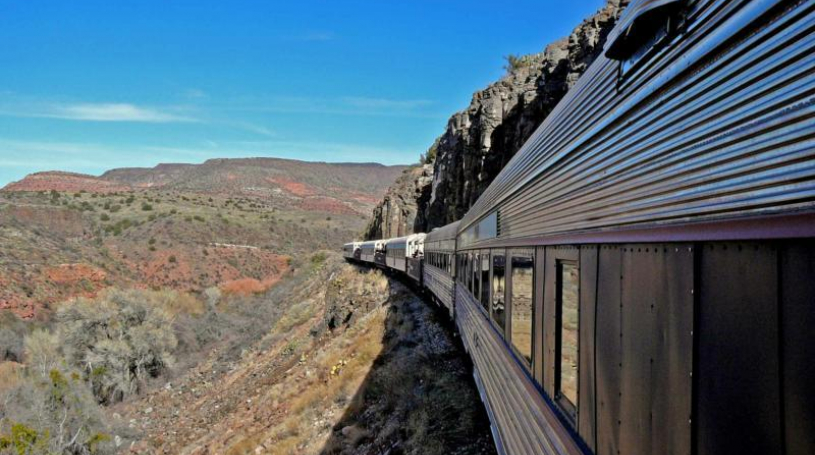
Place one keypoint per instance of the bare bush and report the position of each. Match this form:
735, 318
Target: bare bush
118, 342
12, 332
51, 410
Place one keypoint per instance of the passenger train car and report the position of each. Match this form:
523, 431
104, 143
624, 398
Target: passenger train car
640, 277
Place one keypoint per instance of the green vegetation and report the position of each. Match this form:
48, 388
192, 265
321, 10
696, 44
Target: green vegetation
516, 62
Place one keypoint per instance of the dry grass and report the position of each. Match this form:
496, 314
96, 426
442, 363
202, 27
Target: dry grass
9, 376
323, 394
330, 372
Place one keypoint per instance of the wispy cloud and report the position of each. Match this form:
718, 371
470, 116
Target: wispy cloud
96, 112
194, 94
113, 112
252, 128
313, 36
98, 157
385, 103
345, 105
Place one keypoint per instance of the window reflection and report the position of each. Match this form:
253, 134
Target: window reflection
476, 275
485, 279
498, 286
568, 295
522, 305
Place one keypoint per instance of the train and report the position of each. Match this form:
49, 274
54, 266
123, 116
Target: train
640, 276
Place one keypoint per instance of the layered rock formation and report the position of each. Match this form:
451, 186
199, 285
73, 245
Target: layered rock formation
395, 215
480, 140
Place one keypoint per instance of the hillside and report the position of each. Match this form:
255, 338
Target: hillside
228, 224
338, 187
351, 362
481, 139
65, 181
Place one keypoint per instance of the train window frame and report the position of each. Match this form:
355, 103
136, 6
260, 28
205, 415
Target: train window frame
470, 267
564, 402
498, 289
474, 291
529, 254
484, 293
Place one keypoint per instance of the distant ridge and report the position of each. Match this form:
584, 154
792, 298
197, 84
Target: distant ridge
249, 176
65, 181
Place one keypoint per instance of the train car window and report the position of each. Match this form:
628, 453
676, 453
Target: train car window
521, 305
566, 374
498, 290
470, 267
476, 275
485, 279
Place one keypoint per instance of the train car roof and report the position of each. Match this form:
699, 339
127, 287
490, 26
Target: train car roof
446, 232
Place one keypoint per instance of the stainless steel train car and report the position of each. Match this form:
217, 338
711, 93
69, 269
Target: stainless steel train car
640, 277
395, 253
439, 264
415, 256
367, 250
380, 253
352, 250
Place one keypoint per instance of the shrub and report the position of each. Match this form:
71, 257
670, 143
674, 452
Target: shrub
318, 258
146, 207
54, 413
12, 331
104, 217
172, 260
118, 341
516, 62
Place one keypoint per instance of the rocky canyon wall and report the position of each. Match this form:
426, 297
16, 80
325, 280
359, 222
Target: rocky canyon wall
481, 139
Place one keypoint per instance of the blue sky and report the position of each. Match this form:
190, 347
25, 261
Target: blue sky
87, 86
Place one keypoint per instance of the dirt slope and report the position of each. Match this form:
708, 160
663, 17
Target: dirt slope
356, 364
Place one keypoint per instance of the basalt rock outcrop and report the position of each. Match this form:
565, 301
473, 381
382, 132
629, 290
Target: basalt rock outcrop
396, 214
481, 139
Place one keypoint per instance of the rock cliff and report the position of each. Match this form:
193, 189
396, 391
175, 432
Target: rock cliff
396, 214
481, 139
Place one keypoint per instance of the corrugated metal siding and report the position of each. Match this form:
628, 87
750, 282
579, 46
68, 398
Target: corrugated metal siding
525, 423
441, 284
719, 124
446, 232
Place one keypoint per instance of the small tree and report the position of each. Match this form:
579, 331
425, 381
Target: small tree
516, 62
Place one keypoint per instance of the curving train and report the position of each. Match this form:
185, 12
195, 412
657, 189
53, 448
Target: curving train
640, 277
